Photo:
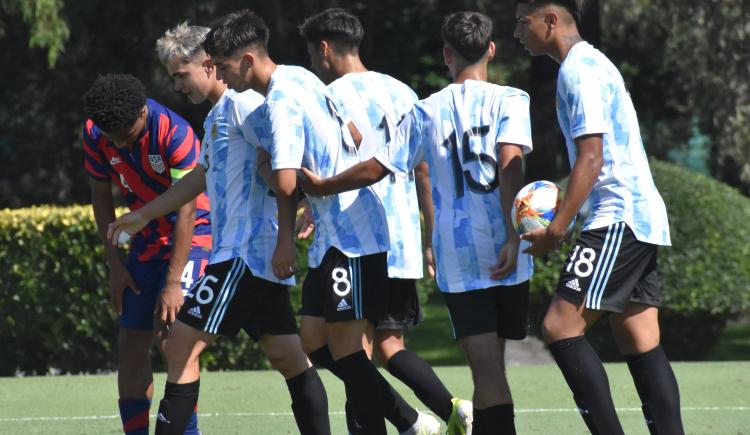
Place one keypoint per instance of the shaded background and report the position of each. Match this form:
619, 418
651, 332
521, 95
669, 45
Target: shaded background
686, 63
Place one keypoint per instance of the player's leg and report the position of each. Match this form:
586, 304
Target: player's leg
134, 376
563, 330
196, 262
481, 330
404, 311
275, 325
636, 331
216, 305
600, 276
134, 379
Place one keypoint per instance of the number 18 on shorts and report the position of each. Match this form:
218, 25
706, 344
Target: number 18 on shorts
609, 268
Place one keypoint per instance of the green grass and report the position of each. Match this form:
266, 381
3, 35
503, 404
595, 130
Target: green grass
715, 400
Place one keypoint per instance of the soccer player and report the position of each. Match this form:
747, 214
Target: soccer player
238, 289
612, 267
143, 148
299, 124
473, 135
375, 102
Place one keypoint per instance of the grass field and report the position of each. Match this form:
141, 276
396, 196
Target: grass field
715, 400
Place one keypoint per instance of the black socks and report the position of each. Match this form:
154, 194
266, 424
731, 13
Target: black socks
585, 375
177, 407
657, 388
309, 403
495, 420
413, 371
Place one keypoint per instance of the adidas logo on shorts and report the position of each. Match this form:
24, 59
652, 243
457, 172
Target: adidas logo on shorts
343, 306
573, 285
195, 312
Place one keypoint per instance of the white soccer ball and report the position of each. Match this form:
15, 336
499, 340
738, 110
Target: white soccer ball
123, 238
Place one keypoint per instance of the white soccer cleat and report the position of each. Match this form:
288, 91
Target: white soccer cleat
425, 425
462, 417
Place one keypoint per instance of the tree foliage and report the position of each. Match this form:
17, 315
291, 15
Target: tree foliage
48, 29
686, 64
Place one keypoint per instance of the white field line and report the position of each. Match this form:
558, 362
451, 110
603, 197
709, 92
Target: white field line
289, 414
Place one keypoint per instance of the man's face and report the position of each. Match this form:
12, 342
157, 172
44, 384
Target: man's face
531, 28
126, 136
233, 70
191, 79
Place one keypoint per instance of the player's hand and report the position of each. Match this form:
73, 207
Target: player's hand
304, 225
310, 183
170, 302
506, 261
130, 223
283, 261
542, 242
429, 261
119, 279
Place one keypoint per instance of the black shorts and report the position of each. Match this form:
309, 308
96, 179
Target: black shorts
229, 298
404, 310
500, 309
344, 288
609, 268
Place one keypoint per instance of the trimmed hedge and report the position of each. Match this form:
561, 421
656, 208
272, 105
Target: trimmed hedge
54, 300
54, 305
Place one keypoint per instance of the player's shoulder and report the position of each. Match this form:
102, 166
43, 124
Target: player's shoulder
583, 60
90, 130
244, 102
397, 86
161, 114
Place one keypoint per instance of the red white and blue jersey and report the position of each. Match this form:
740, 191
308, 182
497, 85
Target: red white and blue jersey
165, 151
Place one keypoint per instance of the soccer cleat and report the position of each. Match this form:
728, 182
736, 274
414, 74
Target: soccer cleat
425, 425
462, 416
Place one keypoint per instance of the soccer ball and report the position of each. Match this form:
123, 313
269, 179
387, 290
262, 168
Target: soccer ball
535, 206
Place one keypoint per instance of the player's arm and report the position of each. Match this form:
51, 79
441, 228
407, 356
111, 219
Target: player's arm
182, 236
361, 175
583, 176
424, 198
283, 261
511, 180
181, 193
585, 171
104, 213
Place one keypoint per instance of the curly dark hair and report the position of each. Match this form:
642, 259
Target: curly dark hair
336, 25
469, 33
114, 101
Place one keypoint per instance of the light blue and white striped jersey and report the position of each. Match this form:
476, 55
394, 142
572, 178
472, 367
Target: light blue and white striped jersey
300, 125
456, 130
591, 99
375, 102
243, 215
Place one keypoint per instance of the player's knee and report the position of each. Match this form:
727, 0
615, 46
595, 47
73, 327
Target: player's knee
552, 329
133, 348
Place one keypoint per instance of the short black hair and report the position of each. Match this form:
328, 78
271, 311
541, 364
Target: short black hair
336, 25
576, 8
469, 33
234, 31
115, 101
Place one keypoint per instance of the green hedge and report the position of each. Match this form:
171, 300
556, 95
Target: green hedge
54, 305
54, 309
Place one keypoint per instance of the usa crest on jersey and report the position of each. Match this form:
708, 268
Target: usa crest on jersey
157, 164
